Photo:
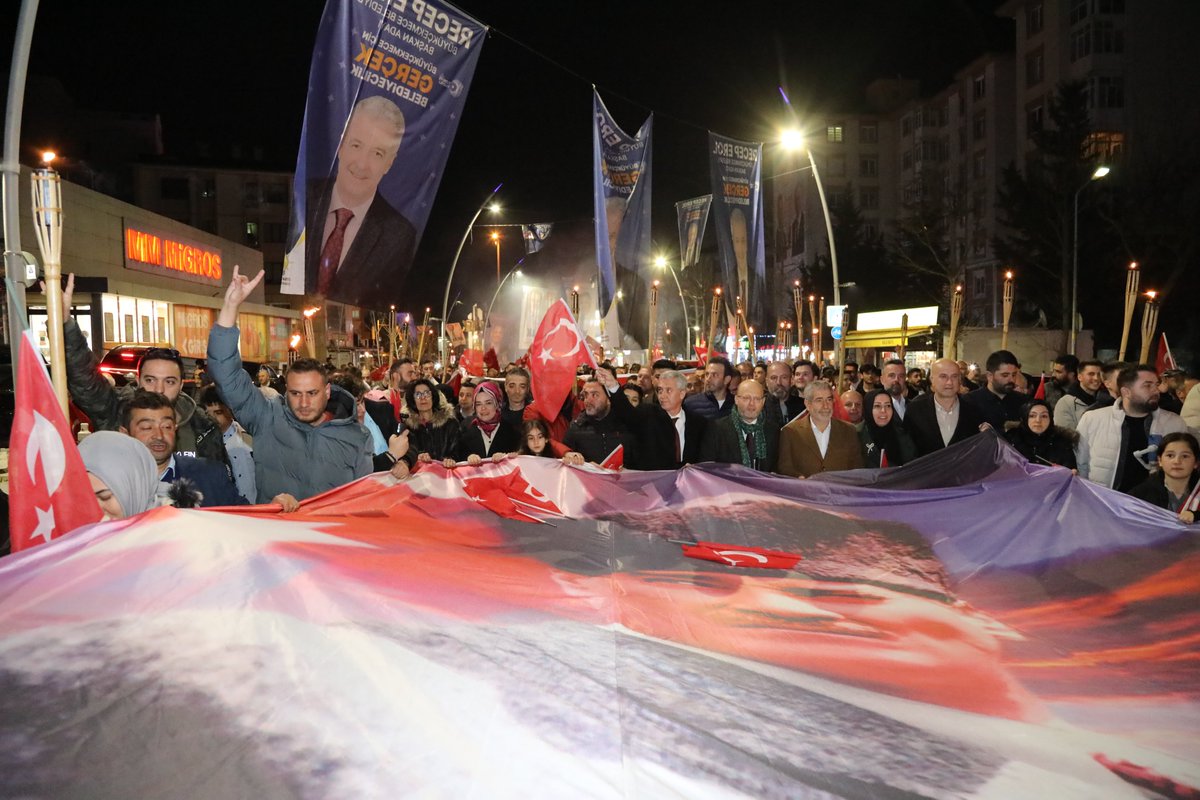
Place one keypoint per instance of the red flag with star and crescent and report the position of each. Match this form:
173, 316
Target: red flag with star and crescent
49, 490
558, 348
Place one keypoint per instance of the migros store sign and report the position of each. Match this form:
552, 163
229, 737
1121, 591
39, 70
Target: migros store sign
147, 251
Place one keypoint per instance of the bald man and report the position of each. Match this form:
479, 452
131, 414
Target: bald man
940, 419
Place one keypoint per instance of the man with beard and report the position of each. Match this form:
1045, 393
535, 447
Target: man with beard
596, 432
999, 401
817, 442
749, 436
715, 401
1117, 445
1080, 395
1065, 375
893, 382
940, 418
779, 384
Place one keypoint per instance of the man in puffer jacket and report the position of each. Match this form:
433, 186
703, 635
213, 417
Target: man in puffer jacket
1116, 443
160, 370
311, 443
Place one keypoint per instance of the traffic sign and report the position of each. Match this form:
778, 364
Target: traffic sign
836, 332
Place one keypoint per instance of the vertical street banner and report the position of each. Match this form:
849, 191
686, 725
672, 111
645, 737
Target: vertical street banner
386, 91
535, 235
621, 180
737, 210
693, 219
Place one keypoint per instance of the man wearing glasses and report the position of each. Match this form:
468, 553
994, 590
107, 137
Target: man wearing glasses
160, 370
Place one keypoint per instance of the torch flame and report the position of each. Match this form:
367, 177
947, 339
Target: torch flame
309, 312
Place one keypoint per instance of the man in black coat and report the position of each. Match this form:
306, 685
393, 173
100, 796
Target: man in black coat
940, 418
998, 400
357, 246
749, 436
596, 433
668, 436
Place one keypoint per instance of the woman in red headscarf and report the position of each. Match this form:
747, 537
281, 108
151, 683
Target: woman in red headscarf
487, 436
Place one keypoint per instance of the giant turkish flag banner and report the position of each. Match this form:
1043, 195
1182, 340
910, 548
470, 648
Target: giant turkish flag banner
558, 348
50, 493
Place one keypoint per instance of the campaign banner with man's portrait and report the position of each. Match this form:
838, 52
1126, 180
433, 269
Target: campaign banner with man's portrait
693, 219
621, 180
386, 91
737, 210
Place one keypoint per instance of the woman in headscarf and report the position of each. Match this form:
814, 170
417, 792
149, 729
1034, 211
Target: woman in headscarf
881, 433
487, 436
122, 471
429, 417
1040, 440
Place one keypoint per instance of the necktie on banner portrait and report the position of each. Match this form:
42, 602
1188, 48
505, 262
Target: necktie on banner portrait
621, 193
557, 350
737, 210
49, 490
386, 90
693, 219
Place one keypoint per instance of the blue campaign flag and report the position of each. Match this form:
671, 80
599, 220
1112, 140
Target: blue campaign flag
693, 219
737, 210
386, 91
621, 177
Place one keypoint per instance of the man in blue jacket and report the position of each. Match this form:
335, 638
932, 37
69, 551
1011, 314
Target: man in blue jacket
150, 418
307, 445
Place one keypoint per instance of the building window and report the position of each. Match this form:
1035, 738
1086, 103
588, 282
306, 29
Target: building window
1079, 11
979, 165
275, 232
868, 198
1110, 92
1104, 146
906, 126
251, 194
919, 119
1081, 43
1033, 19
252, 234
1034, 118
979, 90
929, 150
944, 116
836, 166
868, 132
870, 231
868, 167
1035, 67
173, 188
276, 193
1110, 6
979, 126
208, 188
833, 133
110, 327
274, 271
907, 159
837, 196
1107, 38
979, 285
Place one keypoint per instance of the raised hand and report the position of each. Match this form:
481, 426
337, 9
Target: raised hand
67, 294
238, 290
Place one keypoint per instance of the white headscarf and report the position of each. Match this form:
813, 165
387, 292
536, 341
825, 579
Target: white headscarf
125, 465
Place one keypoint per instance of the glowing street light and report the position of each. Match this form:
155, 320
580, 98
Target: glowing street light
792, 139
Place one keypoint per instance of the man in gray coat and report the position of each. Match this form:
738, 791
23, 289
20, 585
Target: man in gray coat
310, 443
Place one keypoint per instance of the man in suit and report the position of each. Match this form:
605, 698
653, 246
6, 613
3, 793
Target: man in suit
669, 436
149, 417
749, 436
817, 442
358, 247
998, 400
940, 419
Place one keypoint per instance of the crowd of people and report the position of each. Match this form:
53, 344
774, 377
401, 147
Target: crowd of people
245, 441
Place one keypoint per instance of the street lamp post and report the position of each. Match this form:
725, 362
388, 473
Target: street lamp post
454, 265
1099, 173
794, 140
495, 237
516, 271
661, 262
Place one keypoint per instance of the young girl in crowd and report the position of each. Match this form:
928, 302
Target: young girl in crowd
1178, 459
535, 439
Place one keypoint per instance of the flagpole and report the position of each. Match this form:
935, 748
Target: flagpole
47, 223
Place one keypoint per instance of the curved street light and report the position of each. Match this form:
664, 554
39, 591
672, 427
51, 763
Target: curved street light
1096, 175
454, 265
792, 139
516, 270
660, 262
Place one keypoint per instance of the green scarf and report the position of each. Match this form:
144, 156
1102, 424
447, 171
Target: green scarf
760, 439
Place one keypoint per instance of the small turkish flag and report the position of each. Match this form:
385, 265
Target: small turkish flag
1165, 360
883, 462
740, 555
472, 362
558, 348
1040, 394
701, 354
616, 459
49, 490
510, 495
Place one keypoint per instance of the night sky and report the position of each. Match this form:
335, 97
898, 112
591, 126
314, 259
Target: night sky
226, 72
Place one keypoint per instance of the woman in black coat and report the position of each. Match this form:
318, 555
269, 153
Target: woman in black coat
432, 427
1040, 440
487, 435
881, 433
